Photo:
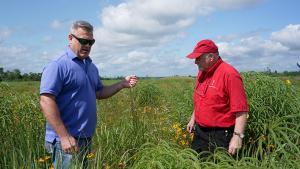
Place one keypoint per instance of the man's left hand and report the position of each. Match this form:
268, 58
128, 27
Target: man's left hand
129, 81
235, 144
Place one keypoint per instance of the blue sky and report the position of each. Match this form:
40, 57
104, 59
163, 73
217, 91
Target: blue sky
152, 37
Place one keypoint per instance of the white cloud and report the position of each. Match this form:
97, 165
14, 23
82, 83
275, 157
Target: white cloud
155, 22
56, 24
5, 33
288, 36
147, 27
59, 24
24, 58
12, 56
14, 51
232, 4
278, 52
137, 37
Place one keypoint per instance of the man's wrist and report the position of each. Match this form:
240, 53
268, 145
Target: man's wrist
240, 135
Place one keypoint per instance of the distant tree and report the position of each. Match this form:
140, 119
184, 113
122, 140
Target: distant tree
1, 73
268, 70
17, 74
298, 66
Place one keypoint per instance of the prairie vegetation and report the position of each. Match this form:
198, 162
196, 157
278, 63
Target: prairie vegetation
144, 127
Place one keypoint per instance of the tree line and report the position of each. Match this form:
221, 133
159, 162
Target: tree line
15, 75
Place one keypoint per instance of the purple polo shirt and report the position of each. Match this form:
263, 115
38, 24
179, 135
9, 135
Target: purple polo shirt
74, 84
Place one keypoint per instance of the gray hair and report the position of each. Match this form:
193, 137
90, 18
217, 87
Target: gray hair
81, 24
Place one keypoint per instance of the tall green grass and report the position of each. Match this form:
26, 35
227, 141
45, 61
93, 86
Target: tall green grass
134, 128
21, 129
274, 116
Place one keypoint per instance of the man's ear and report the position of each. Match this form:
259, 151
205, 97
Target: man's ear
211, 57
70, 38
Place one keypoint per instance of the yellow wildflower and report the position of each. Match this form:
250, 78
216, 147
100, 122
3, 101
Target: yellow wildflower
182, 142
192, 136
90, 156
263, 137
51, 167
178, 131
271, 147
176, 125
41, 160
47, 158
288, 82
122, 164
105, 166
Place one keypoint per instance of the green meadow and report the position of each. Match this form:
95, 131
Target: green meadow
144, 127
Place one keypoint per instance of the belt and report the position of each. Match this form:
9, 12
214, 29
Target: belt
215, 128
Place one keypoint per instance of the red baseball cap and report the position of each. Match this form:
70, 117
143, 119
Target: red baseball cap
204, 46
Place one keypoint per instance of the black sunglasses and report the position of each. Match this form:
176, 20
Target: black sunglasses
84, 41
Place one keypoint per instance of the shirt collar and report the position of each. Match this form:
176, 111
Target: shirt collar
212, 69
202, 75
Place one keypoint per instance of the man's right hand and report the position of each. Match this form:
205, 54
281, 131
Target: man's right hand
190, 125
69, 144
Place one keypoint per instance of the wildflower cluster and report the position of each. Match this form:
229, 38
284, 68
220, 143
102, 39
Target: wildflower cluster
182, 136
46, 160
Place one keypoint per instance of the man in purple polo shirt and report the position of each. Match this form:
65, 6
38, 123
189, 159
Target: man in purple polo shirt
69, 88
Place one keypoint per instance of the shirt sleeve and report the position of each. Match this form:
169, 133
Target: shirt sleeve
99, 85
237, 94
51, 81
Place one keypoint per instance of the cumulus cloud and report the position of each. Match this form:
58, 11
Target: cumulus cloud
147, 26
246, 51
11, 56
288, 36
280, 51
137, 36
25, 58
154, 22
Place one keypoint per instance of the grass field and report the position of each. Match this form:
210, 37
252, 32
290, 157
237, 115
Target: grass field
143, 127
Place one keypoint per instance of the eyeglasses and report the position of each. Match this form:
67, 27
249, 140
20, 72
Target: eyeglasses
84, 41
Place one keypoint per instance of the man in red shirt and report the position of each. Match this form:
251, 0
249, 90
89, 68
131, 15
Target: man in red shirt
220, 103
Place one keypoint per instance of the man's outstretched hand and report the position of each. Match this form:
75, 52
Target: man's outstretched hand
129, 81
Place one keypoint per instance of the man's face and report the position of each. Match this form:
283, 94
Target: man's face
81, 42
203, 62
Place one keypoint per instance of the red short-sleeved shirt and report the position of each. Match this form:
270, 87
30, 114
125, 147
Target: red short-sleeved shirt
219, 93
